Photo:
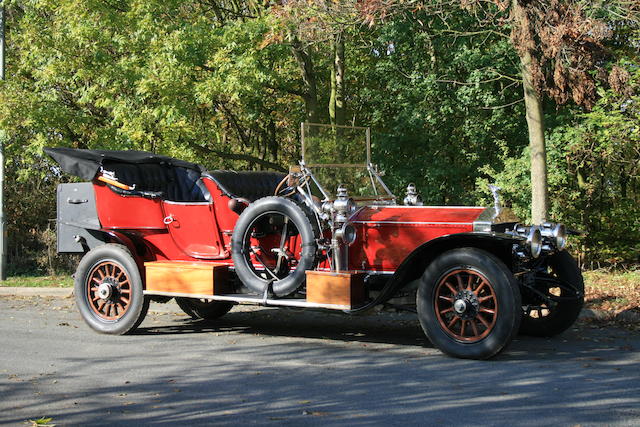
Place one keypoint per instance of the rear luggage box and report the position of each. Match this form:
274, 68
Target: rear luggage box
78, 227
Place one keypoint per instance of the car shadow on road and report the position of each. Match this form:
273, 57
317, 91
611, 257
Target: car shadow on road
388, 328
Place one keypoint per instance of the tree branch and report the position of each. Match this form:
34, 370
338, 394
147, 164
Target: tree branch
236, 156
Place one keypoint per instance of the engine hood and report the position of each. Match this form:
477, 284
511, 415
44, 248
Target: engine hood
427, 215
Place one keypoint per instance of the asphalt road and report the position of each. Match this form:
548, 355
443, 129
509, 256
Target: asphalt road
268, 366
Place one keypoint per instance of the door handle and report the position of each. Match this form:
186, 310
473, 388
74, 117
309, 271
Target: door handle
77, 201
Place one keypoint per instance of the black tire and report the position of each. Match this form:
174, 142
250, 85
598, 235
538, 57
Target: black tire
259, 216
489, 314
551, 321
204, 309
110, 269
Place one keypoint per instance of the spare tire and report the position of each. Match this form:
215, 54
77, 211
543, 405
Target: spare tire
274, 241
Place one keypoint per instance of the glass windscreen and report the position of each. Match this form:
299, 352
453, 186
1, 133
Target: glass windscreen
334, 145
341, 155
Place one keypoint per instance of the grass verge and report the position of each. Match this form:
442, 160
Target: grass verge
39, 281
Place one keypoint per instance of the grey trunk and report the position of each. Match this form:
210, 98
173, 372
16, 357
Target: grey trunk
535, 124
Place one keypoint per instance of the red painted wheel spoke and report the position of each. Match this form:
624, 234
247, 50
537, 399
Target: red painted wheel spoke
451, 288
482, 285
474, 327
110, 274
479, 316
470, 281
483, 321
453, 321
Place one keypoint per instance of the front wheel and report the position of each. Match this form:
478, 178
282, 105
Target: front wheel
108, 290
469, 304
559, 298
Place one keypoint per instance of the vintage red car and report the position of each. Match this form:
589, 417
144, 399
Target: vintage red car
153, 227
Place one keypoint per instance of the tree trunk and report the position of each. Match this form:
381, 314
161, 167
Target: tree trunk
336, 101
535, 124
310, 95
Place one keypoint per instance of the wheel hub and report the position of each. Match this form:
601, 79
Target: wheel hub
466, 304
460, 306
105, 290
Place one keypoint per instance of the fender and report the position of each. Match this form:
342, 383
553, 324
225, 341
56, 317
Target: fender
123, 239
499, 244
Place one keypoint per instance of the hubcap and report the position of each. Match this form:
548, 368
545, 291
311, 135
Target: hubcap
105, 290
460, 306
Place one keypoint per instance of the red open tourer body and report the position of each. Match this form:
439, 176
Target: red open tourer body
152, 227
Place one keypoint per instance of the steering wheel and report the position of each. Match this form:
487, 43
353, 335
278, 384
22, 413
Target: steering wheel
287, 187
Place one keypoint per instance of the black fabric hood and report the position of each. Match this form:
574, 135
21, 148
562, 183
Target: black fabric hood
86, 163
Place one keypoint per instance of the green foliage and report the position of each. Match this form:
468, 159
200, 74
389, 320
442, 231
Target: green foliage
594, 176
218, 83
437, 106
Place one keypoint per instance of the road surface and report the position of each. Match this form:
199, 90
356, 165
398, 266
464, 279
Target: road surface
281, 366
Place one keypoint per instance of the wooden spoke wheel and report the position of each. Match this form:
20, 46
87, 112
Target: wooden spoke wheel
108, 290
466, 305
469, 304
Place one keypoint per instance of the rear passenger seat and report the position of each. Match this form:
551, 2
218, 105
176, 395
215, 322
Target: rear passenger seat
174, 183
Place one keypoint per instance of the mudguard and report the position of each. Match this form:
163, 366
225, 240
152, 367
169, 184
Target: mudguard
499, 244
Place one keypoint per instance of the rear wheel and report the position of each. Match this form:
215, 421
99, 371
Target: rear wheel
203, 308
108, 290
559, 278
469, 304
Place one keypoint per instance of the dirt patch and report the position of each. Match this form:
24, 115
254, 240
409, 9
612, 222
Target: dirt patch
614, 296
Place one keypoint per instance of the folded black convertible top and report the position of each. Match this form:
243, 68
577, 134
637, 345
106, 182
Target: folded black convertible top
86, 163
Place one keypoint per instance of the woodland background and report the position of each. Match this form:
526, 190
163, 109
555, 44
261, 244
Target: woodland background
226, 83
